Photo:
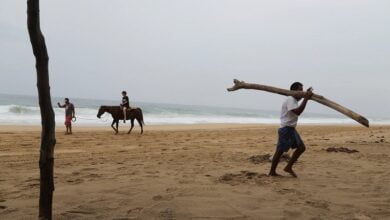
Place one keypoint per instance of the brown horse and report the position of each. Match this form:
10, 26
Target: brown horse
117, 114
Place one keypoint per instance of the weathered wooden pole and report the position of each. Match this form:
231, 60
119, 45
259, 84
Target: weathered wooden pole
48, 141
318, 98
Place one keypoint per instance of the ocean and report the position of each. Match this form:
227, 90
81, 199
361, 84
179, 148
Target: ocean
24, 110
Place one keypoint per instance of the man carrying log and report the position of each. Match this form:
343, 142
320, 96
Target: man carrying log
288, 135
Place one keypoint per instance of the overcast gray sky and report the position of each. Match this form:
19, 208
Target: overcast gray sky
188, 52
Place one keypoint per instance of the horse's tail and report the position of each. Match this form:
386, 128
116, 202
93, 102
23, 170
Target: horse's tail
141, 116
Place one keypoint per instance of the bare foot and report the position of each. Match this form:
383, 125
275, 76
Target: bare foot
290, 171
273, 174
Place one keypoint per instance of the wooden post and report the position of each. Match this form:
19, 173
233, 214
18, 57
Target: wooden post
318, 98
48, 141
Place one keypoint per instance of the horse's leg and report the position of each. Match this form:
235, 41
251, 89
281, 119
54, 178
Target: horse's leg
132, 126
117, 124
112, 125
140, 124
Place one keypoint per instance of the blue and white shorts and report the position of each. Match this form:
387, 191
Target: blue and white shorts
288, 138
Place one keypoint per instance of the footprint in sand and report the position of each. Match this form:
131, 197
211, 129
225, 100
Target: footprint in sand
318, 204
341, 149
80, 212
135, 210
8, 210
75, 173
289, 191
32, 183
122, 168
173, 189
244, 177
75, 181
258, 159
185, 181
93, 176
168, 214
32, 180
88, 169
266, 158
163, 198
361, 217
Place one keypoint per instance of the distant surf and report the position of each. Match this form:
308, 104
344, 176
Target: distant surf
24, 110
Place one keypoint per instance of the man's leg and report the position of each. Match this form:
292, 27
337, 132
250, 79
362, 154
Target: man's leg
124, 114
275, 161
67, 123
70, 129
297, 153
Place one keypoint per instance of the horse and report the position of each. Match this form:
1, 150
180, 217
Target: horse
117, 114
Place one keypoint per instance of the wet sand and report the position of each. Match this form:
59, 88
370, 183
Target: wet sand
198, 172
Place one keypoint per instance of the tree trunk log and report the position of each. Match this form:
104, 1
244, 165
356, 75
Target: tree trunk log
318, 98
46, 160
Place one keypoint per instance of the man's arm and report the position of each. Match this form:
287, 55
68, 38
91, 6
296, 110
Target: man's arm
61, 106
73, 112
301, 108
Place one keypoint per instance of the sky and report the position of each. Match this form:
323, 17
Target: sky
189, 51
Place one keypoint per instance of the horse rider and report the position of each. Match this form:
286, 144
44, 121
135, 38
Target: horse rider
125, 105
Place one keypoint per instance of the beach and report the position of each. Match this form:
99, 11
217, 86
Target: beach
204, 171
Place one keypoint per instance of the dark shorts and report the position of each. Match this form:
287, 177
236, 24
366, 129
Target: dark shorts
68, 120
288, 138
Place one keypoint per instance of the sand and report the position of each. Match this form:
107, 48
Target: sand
198, 172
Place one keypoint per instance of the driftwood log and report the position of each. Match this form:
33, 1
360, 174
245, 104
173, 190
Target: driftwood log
48, 140
318, 98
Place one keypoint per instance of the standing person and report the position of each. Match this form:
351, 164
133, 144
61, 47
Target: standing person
125, 105
69, 114
288, 135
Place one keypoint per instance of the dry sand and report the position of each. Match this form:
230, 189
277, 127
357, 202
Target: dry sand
198, 172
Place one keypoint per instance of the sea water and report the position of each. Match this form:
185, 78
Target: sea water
24, 110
